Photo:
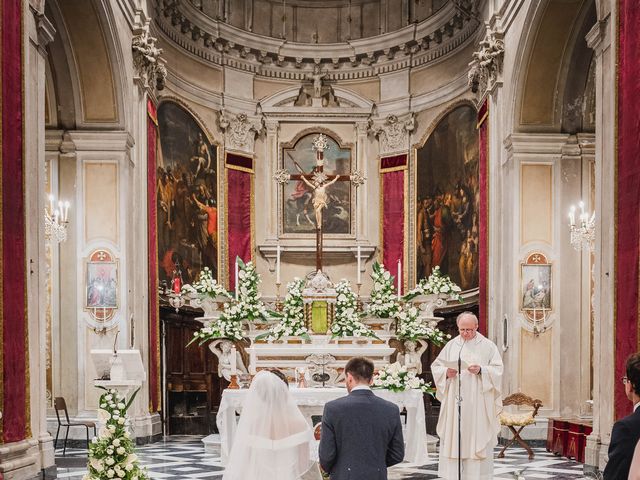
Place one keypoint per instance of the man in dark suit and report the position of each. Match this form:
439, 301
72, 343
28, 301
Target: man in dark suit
626, 432
361, 434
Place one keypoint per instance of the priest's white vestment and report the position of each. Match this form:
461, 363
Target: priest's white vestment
481, 406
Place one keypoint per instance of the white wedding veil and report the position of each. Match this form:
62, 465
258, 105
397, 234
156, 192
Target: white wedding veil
273, 438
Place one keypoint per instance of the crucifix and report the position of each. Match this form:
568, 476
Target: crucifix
318, 181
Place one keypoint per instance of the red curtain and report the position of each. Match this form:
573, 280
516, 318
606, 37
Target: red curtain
152, 216
483, 219
628, 195
239, 210
393, 178
13, 311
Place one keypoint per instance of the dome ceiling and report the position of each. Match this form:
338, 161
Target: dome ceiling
350, 38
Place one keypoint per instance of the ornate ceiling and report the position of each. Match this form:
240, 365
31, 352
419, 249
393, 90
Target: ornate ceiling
350, 38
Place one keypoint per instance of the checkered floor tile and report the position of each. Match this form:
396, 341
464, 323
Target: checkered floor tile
181, 458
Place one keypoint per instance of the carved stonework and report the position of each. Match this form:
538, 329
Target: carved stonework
393, 134
240, 131
486, 66
148, 63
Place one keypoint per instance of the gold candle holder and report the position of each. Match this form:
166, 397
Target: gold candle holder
278, 302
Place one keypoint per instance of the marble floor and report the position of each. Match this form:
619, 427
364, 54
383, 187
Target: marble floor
183, 457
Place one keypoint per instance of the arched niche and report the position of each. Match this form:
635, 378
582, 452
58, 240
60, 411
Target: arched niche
187, 196
447, 198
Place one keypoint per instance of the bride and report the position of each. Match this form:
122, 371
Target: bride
273, 439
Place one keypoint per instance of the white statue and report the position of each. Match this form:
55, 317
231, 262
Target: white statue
229, 359
317, 77
412, 356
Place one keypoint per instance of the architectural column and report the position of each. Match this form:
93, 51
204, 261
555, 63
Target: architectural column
362, 219
600, 39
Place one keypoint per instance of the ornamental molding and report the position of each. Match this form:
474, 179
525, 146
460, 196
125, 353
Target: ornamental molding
149, 66
486, 67
225, 45
240, 131
393, 132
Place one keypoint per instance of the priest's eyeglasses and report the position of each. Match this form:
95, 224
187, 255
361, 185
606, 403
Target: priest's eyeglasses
624, 380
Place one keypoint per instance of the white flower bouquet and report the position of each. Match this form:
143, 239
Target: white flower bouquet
384, 300
111, 453
410, 327
247, 307
346, 322
292, 316
397, 378
206, 286
435, 284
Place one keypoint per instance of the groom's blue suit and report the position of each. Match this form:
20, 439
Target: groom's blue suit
361, 436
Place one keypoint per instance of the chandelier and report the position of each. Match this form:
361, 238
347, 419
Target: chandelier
583, 233
56, 220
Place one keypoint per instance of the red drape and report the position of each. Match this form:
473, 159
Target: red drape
628, 195
239, 210
483, 219
393, 178
152, 216
13, 311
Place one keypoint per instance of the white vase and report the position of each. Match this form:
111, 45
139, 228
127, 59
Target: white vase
211, 306
426, 304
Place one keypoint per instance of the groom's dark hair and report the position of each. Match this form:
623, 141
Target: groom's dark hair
361, 368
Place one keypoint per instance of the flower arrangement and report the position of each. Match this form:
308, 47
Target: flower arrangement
347, 321
206, 286
410, 327
384, 301
292, 316
436, 283
397, 378
111, 453
248, 306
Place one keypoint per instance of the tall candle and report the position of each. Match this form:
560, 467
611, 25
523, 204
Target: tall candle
236, 284
278, 264
252, 361
359, 273
50, 204
232, 361
66, 211
399, 279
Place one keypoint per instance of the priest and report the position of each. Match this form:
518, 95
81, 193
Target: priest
480, 380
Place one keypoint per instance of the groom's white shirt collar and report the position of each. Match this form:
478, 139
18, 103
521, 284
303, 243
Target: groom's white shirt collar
361, 387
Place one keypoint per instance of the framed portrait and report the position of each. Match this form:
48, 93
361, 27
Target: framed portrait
299, 158
536, 284
101, 281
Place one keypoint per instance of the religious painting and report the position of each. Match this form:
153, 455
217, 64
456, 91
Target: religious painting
187, 198
448, 199
101, 281
299, 160
535, 286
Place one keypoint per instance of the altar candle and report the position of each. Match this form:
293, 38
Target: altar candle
278, 264
66, 211
252, 361
399, 279
236, 278
359, 273
50, 204
232, 361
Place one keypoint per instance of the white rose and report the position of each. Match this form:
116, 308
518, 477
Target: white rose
121, 420
109, 460
116, 442
121, 450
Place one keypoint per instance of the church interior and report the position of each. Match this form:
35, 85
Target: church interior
196, 190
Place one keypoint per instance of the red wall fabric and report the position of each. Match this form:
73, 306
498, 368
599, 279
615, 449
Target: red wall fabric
628, 195
393, 178
152, 216
15, 416
239, 211
483, 219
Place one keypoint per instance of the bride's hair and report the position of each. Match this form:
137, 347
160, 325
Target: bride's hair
280, 375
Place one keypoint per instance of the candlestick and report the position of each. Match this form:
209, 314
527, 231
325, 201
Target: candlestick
572, 216
50, 204
232, 361
399, 279
66, 211
278, 264
237, 273
359, 273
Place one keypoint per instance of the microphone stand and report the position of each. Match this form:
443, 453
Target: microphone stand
459, 402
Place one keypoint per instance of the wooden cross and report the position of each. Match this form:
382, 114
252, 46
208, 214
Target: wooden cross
318, 181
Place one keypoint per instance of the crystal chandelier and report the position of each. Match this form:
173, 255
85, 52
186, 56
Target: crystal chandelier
56, 220
583, 233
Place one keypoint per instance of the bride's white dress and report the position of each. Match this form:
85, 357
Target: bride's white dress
273, 440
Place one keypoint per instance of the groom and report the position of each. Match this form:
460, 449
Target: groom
361, 433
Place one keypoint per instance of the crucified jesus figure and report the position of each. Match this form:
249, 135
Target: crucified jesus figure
320, 198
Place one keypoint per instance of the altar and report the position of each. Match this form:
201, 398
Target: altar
311, 401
